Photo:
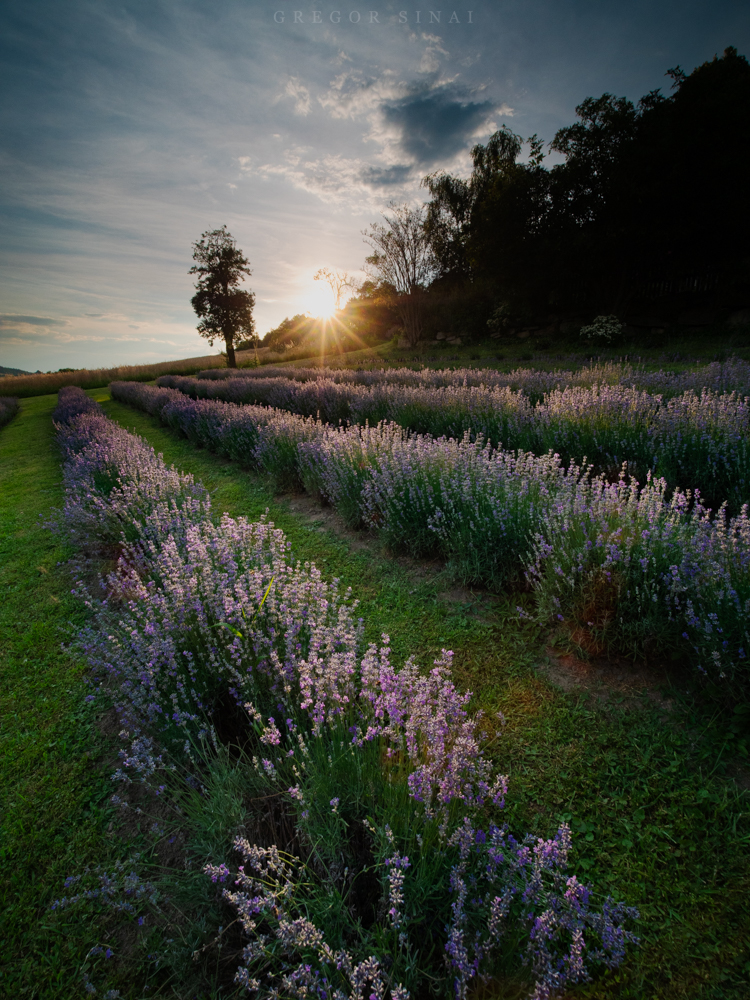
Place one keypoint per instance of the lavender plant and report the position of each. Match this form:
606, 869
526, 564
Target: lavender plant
116, 488
221, 610
511, 883
256, 436
477, 506
338, 464
623, 567
8, 409
379, 773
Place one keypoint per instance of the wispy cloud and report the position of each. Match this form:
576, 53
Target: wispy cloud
12, 322
299, 94
352, 94
347, 183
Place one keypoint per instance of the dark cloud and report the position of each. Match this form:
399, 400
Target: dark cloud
11, 322
386, 176
437, 125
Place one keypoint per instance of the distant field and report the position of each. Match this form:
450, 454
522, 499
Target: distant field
23, 386
667, 350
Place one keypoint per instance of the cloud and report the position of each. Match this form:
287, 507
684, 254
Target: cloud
415, 123
436, 125
430, 62
299, 94
398, 173
411, 125
13, 322
21, 335
346, 182
352, 95
16, 330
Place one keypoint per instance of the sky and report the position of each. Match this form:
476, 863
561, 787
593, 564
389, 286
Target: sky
130, 127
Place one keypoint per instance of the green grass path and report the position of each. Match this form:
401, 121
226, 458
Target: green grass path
53, 794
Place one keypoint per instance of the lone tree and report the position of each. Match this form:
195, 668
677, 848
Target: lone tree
402, 260
225, 309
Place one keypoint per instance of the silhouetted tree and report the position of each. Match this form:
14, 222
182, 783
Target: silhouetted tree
402, 260
225, 309
488, 227
689, 169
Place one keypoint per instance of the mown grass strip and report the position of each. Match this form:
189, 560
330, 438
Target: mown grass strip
658, 819
54, 760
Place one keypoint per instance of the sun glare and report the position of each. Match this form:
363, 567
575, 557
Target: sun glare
320, 301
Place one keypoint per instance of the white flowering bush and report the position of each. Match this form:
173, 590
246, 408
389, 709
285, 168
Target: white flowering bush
603, 330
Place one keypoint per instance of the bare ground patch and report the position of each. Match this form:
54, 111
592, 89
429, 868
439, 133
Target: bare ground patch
606, 678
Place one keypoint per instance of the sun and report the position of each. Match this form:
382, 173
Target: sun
319, 301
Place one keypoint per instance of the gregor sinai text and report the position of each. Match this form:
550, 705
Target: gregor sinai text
426, 17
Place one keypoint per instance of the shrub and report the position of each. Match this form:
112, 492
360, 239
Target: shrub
626, 568
603, 330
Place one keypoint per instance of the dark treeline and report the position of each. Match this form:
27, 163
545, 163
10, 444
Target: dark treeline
645, 220
652, 202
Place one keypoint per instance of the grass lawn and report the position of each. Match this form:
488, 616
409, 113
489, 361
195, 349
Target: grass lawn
652, 788
54, 762
676, 348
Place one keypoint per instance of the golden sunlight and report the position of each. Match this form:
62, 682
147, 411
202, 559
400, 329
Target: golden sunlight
319, 300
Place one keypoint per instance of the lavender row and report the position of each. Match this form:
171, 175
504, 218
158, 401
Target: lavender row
8, 409
718, 376
411, 488
201, 615
116, 488
614, 564
694, 441
256, 436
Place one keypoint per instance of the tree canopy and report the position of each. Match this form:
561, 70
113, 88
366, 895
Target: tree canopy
402, 260
646, 191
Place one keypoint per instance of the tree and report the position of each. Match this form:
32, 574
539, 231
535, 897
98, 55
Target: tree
289, 333
402, 258
658, 192
225, 310
507, 198
337, 281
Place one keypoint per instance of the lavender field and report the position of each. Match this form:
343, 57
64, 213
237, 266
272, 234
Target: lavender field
204, 613
353, 788
690, 428
631, 566
732, 375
